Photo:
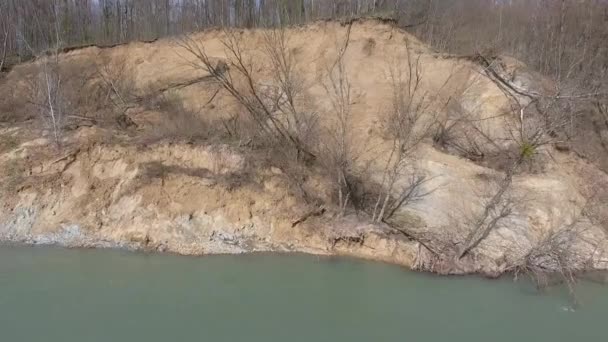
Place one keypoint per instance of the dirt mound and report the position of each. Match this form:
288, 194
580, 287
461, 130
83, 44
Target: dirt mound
155, 156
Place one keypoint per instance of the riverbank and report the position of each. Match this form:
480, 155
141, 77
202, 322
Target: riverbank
155, 154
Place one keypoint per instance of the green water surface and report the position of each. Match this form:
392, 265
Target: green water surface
56, 295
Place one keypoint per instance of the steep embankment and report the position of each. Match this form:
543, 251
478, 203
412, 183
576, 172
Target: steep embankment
131, 173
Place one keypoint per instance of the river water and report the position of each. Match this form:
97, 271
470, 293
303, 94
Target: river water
57, 295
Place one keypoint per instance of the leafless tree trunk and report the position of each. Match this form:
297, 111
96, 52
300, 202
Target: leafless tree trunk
3, 55
252, 96
530, 135
5, 35
339, 150
289, 95
52, 83
409, 121
46, 90
565, 251
494, 211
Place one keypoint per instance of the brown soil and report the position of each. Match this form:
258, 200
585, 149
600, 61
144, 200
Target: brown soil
142, 178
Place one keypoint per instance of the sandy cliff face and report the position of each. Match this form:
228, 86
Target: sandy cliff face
178, 198
103, 189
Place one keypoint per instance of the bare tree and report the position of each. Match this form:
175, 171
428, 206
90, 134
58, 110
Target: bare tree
339, 154
408, 122
495, 210
262, 105
564, 251
4, 35
116, 84
289, 98
54, 111
46, 90
459, 131
540, 118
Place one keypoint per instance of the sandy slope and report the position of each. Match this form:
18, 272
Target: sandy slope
216, 198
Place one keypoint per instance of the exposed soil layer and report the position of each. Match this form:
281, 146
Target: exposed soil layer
147, 177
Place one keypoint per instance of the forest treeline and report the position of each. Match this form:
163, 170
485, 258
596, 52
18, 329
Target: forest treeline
565, 39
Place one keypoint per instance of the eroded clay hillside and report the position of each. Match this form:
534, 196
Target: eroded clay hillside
333, 138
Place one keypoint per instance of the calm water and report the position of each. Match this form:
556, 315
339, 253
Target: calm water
66, 295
